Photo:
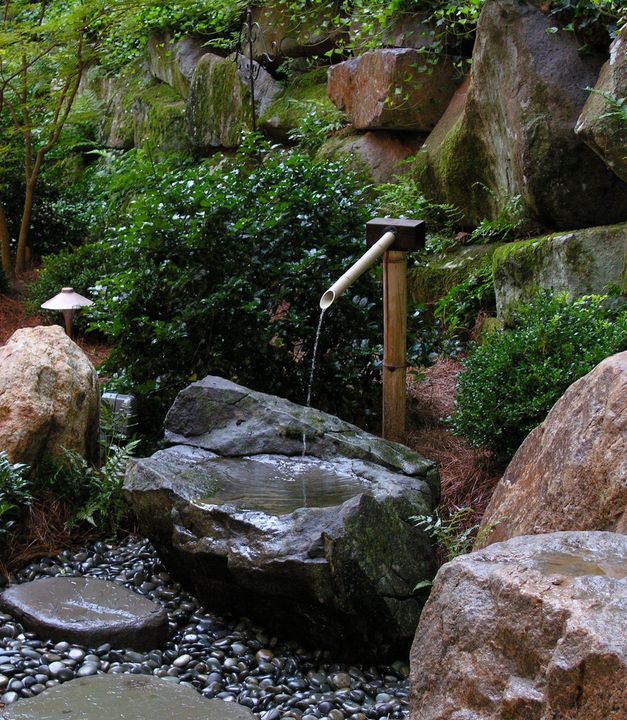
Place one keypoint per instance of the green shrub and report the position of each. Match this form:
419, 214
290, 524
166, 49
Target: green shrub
514, 378
15, 495
220, 270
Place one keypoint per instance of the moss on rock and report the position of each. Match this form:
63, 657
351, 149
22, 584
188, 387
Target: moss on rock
428, 283
302, 94
580, 262
218, 109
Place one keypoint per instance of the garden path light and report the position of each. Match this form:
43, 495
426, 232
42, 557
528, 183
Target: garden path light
68, 302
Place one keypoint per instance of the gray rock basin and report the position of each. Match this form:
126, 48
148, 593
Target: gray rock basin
320, 548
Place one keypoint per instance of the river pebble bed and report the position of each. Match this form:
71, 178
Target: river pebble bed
235, 661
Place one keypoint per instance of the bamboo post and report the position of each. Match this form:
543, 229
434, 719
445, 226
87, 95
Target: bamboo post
394, 344
409, 237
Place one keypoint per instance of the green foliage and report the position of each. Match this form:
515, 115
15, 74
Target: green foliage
429, 338
97, 497
616, 112
513, 379
15, 493
506, 226
316, 125
220, 269
451, 531
461, 305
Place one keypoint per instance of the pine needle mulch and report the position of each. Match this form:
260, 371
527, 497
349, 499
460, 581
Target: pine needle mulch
468, 475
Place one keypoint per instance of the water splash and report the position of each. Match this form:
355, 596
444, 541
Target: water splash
312, 375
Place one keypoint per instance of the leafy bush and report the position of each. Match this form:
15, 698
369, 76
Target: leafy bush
15, 494
220, 269
513, 379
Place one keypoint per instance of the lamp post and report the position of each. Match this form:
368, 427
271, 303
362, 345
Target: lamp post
68, 302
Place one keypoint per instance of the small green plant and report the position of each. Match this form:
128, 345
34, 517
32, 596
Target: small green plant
316, 125
513, 379
405, 199
508, 223
451, 530
99, 489
15, 493
616, 112
461, 305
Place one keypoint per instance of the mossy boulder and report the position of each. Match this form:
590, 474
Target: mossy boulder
379, 154
138, 109
219, 107
430, 282
580, 262
512, 134
601, 124
302, 94
174, 61
217, 110
159, 119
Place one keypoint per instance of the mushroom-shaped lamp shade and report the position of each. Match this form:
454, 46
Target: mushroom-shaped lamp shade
68, 302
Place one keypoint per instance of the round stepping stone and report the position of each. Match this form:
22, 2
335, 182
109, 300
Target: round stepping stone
119, 697
87, 611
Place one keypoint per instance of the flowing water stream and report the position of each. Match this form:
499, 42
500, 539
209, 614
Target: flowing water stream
311, 379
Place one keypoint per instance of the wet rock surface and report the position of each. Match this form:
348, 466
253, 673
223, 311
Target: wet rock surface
322, 549
231, 420
87, 611
228, 659
321, 546
529, 628
119, 697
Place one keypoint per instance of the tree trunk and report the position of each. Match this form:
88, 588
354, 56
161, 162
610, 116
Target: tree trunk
22, 242
5, 250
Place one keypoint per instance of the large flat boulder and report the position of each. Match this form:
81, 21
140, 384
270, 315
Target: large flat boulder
318, 547
600, 123
532, 628
579, 262
513, 134
119, 697
87, 611
392, 89
570, 473
49, 396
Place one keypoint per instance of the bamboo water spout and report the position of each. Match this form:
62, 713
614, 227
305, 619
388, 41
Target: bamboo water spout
399, 237
366, 261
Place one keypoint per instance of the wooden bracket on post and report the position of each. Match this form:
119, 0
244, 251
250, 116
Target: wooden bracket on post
410, 236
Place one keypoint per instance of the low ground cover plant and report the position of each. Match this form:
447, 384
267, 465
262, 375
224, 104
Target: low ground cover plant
513, 379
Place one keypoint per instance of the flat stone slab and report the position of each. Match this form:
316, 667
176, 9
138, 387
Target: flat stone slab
119, 697
87, 611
